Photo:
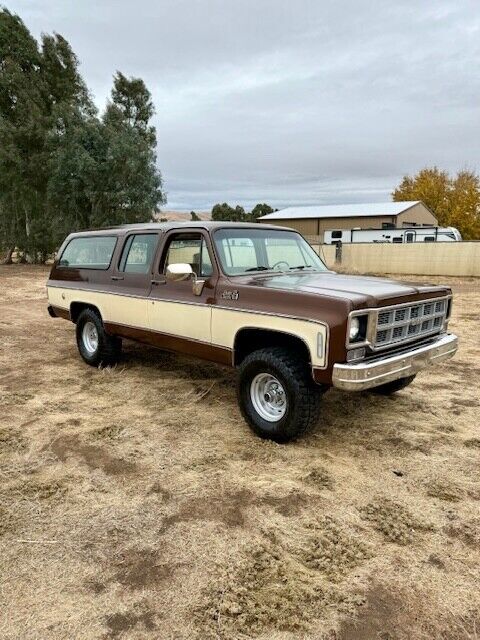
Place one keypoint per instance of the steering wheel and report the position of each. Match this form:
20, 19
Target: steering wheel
277, 264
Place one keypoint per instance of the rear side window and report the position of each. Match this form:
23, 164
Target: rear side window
138, 253
397, 240
89, 252
429, 239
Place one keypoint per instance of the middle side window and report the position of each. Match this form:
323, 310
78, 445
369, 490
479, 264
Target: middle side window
138, 253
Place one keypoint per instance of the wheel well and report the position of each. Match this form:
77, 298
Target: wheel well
76, 309
249, 340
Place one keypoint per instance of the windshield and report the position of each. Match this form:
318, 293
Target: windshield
248, 250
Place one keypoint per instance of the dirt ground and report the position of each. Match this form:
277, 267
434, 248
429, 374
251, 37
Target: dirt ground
135, 502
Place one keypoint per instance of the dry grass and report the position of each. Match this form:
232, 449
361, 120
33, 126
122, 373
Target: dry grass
135, 503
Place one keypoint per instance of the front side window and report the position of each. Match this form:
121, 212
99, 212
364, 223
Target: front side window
138, 253
189, 248
249, 250
88, 252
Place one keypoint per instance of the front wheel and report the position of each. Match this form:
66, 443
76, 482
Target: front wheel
277, 395
94, 345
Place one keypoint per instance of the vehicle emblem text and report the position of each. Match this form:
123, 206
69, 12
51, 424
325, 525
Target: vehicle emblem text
230, 295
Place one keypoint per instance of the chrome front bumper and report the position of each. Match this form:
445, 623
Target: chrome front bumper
365, 375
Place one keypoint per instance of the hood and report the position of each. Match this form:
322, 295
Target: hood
361, 291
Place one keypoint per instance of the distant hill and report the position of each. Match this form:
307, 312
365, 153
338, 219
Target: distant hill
181, 216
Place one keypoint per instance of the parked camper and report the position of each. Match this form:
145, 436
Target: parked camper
406, 234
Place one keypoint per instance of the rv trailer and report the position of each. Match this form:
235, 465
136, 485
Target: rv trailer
405, 234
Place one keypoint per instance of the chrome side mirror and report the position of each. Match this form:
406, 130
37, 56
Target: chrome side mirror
181, 271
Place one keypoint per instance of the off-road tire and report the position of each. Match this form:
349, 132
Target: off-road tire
392, 387
109, 347
302, 394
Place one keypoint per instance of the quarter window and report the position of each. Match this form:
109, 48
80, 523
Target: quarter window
189, 248
138, 253
88, 252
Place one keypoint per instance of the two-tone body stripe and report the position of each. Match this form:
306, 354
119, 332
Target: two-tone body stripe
210, 324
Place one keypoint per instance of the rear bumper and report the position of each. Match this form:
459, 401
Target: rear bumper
365, 375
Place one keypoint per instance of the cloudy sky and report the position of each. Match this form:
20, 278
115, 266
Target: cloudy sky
287, 101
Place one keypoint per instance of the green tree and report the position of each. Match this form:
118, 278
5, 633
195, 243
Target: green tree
225, 212
260, 209
104, 171
67, 91
455, 200
61, 166
131, 105
77, 176
22, 133
133, 189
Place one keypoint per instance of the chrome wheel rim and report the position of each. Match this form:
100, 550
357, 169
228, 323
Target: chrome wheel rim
90, 337
268, 397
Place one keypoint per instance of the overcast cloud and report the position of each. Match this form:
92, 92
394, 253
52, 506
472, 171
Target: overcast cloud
289, 102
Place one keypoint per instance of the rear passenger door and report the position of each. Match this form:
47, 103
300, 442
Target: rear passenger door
132, 279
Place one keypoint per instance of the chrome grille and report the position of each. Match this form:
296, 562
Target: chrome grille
409, 322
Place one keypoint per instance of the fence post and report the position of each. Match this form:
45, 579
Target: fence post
338, 252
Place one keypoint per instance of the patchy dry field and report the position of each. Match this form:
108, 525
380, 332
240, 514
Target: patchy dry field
135, 502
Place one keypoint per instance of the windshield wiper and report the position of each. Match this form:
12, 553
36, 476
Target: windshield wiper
260, 268
302, 266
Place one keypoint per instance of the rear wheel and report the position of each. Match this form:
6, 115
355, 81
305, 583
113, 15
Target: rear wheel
277, 395
392, 387
94, 345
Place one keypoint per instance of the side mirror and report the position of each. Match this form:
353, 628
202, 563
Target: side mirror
179, 271
182, 271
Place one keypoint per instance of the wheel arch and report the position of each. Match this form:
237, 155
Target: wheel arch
250, 338
76, 308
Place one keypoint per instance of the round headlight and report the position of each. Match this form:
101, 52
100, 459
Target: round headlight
354, 329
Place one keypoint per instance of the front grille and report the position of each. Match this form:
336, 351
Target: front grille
409, 322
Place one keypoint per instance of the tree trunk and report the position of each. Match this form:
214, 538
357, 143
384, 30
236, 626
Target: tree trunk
8, 257
27, 224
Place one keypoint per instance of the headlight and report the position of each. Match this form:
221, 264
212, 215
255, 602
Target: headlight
357, 329
354, 329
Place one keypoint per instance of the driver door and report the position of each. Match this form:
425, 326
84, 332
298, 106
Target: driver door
181, 319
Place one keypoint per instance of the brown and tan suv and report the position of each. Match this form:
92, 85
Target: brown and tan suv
254, 297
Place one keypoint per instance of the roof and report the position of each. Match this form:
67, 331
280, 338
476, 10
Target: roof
343, 210
167, 226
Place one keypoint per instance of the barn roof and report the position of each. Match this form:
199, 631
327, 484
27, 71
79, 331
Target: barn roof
342, 210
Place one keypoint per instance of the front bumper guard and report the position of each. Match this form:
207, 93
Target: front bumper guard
365, 375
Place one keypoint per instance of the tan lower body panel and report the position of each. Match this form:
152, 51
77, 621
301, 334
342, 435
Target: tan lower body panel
227, 323
214, 326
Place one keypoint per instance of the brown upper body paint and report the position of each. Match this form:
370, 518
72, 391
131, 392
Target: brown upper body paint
323, 297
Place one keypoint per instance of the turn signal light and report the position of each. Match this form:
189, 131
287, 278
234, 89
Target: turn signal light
355, 354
